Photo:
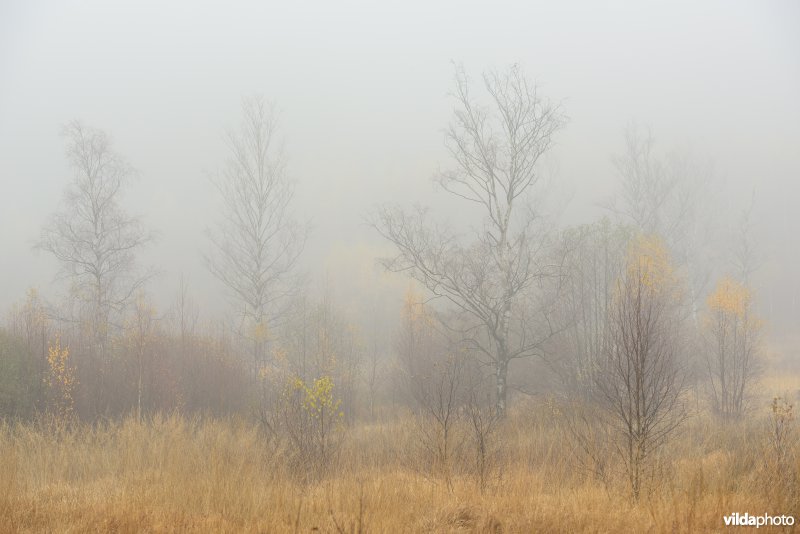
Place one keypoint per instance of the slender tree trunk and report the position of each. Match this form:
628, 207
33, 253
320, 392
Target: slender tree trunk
501, 375
139, 391
501, 367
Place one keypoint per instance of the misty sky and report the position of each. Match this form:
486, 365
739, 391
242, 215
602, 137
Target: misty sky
362, 90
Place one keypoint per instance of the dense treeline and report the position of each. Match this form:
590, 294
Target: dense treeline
172, 361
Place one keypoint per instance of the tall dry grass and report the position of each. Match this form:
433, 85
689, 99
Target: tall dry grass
174, 474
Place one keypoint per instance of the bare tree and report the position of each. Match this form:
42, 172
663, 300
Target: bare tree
745, 259
668, 195
185, 314
440, 399
256, 243
434, 376
483, 422
93, 239
141, 326
488, 279
594, 263
641, 379
732, 353
732, 331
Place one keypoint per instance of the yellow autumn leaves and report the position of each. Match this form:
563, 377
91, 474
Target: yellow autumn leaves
731, 308
730, 297
318, 399
648, 263
260, 332
60, 379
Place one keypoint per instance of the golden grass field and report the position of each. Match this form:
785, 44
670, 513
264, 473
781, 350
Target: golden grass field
173, 474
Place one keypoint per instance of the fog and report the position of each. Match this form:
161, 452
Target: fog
362, 93
366, 266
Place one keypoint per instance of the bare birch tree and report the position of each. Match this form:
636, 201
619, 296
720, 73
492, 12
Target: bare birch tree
142, 332
93, 239
256, 243
495, 149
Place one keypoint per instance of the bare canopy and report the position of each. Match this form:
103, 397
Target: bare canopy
94, 240
256, 243
495, 150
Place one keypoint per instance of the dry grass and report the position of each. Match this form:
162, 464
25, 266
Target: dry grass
171, 474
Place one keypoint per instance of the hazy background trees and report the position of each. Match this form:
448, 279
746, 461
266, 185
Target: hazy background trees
671, 195
397, 145
594, 263
732, 352
256, 242
18, 383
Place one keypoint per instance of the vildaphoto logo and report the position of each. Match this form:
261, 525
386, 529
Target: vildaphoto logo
746, 520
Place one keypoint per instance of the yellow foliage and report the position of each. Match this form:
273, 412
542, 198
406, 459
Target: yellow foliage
275, 370
60, 378
318, 397
782, 409
648, 261
730, 297
260, 331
